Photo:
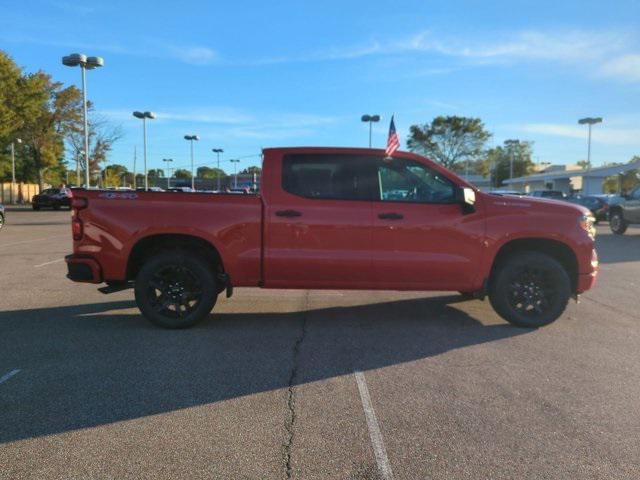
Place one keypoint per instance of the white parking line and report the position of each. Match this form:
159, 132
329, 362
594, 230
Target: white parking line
374, 429
49, 263
7, 376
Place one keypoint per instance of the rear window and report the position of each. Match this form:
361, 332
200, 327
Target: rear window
331, 177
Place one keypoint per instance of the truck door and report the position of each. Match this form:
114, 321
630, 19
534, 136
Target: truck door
422, 240
632, 206
318, 222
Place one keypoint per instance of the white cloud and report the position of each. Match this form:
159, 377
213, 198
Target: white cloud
601, 133
193, 55
568, 47
625, 68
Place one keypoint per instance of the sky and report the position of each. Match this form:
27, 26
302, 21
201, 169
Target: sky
246, 75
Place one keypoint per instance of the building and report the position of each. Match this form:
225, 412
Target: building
569, 179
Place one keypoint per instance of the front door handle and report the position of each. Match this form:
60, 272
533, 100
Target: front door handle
390, 216
288, 213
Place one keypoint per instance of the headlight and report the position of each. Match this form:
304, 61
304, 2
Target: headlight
586, 222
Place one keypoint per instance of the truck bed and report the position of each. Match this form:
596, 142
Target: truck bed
115, 221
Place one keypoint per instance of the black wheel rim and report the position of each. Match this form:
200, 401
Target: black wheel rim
175, 291
531, 291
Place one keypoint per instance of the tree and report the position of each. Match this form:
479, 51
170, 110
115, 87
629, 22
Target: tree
182, 173
497, 161
251, 171
102, 136
583, 164
449, 140
207, 172
155, 173
622, 183
49, 112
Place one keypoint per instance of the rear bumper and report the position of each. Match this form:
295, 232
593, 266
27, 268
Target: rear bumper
83, 269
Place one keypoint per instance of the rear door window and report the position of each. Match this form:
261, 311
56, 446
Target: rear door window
328, 177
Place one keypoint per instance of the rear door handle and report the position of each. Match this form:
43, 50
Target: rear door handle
390, 216
288, 213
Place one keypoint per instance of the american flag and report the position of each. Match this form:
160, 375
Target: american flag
393, 142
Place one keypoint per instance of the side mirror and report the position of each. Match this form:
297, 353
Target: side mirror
467, 198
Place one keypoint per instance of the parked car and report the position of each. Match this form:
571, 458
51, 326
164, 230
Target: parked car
181, 189
625, 213
52, 198
598, 205
323, 220
2, 217
507, 192
553, 194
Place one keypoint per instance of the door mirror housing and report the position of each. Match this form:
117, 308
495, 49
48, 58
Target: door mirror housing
466, 197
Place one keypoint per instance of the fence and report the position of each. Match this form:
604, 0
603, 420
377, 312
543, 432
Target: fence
20, 193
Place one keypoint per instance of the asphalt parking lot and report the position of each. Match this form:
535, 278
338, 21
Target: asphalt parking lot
311, 384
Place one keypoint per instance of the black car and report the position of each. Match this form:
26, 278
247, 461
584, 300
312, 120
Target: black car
599, 208
553, 194
52, 198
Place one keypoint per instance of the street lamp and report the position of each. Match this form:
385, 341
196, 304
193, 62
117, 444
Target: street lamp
589, 121
167, 160
143, 116
371, 119
235, 162
191, 138
218, 151
85, 63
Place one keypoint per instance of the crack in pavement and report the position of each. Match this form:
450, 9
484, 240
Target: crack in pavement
291, 400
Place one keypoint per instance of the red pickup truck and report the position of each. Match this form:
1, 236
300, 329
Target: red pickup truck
335, 218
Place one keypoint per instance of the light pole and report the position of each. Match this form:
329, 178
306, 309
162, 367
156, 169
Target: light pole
191, 138
13, 167
235, 162
371, 119
143, 116
589, 121
218, 151
167, 161
85, 63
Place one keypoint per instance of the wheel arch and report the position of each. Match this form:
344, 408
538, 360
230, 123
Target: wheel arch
556, 249
147, 246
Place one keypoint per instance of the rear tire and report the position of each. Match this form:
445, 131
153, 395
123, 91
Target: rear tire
617, 223
35, 207
1, 221
530, 289
175, 289
56, 206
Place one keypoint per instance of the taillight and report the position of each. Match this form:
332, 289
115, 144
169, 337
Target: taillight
77, 228
77, 204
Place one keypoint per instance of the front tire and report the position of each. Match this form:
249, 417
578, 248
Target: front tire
35, 207
1, 221
530, 289
175, 289
617, 223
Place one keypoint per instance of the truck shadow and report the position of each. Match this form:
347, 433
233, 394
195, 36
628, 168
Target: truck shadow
89, 365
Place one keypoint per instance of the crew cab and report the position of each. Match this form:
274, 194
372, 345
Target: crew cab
335, 218
625, 213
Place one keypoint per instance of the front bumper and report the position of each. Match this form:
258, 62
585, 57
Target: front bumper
586, 281
83, 269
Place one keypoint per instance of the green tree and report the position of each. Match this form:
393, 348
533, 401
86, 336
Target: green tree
49, 113
251, 171
622, 183
449, 140
212, 173
497, 161
155, 173
583, 164
182, 173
